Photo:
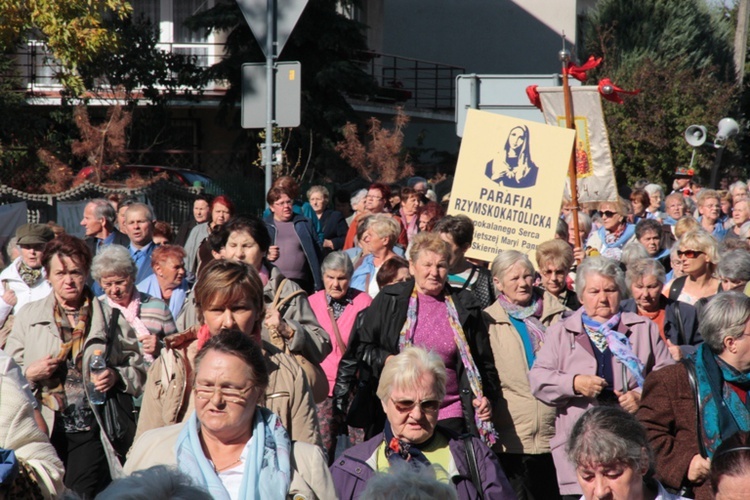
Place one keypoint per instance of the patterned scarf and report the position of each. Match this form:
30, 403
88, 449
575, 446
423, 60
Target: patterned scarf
29, 276
530, 315
397, 450
131, 314
724, 413
604, 336
338, 305
412, 228
53, 390
486, 429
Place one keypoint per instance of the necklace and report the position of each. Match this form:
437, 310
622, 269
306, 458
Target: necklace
226, 466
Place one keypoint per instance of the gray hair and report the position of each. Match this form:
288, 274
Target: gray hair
384, 225
603, 267
677, 196
144, 207
653, 189
158, 481
113, 260
407, 483
735, 265
507, 259
413, 181
103, 209
608, 435
337, 261
724, 316
357, 197
639, 269
318, 189
406, 369
584, 222
12, 243
633, 251
737, 185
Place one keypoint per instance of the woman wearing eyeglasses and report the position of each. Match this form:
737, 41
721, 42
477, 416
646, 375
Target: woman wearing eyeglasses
699, 253
411, 389
228, 295
614, 234
230, 446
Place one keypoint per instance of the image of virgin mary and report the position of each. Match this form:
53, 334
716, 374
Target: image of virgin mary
517, 170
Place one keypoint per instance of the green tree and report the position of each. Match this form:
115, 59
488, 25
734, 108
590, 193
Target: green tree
678, 52
328, 45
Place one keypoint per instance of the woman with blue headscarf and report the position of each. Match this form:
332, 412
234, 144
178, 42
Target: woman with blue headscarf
599, 355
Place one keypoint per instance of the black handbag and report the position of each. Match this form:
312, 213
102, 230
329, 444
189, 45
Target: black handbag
118, 411
361, 410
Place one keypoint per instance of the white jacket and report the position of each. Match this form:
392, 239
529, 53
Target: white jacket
24, 293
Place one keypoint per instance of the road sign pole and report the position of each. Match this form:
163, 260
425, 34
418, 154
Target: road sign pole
271, 89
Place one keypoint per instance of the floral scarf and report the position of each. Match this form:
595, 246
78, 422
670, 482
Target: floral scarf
604, 336
724, 413
29, 275
397, 450
530, 315
53, 391
486, 429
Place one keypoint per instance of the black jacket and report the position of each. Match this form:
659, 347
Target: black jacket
334, 227
690, 338
377, 337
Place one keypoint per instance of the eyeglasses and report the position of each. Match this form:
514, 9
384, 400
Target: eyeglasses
287, 203
609, 213
407, 405
690, 254
237, 396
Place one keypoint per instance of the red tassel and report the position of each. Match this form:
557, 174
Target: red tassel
534, 96
579, 72
611, 92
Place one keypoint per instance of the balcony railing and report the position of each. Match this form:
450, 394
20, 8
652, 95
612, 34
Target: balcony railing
413, 82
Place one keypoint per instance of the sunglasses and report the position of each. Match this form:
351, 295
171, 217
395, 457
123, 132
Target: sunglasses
407, 405
609, 213
690, 254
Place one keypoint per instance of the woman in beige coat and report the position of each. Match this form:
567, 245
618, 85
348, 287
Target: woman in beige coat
517, 321
53, 340
229, 295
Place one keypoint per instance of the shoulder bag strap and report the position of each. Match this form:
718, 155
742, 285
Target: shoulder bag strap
468, 279
681, 338
335, 326
693, 379
677, 285
471, 459
111, 331
279, 303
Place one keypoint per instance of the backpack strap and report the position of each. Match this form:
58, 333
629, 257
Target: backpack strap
471, 459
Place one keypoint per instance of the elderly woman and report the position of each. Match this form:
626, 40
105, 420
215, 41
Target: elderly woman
231, 446
677, 321
332, 222
709, 210
613, 458
411, 388
115, 271
699, 253
408, 212
393, 270
336, 309
429, 215
379, 238
295, 250
221, 210
639, 202
717, 377
734, 270
426, 312
53, 340
228, 295
598, 355
585, 224
377, 201
657, 243
23, 281
730, 468
656, 198
168, 282
555, 260
517, 323
615, 233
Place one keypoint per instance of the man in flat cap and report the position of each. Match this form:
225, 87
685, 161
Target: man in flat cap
24, 280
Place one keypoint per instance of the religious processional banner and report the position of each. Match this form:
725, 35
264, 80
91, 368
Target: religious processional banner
509, 181
593, 159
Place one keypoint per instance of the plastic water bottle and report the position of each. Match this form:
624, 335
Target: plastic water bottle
97, 366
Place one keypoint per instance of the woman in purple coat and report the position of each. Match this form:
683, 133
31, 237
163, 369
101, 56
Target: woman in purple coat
599, 355
411, 388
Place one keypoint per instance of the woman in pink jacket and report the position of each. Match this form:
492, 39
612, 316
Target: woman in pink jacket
597, 356
336, 308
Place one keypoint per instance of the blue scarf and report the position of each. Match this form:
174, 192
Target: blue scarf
605, 336
267, 472
724, 413
613, 248
401, 451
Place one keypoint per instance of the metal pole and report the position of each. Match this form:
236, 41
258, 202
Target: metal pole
270, 85
715, 170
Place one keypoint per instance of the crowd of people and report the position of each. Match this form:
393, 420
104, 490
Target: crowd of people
352, 350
